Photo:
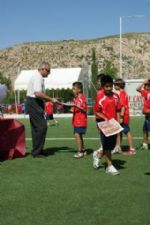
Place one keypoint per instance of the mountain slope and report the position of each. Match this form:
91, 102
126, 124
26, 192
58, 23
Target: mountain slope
74, 53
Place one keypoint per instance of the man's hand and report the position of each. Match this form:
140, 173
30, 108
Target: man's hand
121, 120
54, 100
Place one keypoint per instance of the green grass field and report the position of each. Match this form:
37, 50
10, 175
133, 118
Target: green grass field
60, 190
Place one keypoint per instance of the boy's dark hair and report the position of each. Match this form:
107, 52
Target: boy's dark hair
99, 76
78, 85
147, 83
120, 83
106, 79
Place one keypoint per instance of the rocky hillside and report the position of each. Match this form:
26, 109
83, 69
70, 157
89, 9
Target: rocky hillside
73, 53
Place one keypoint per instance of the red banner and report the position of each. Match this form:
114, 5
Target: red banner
12, 139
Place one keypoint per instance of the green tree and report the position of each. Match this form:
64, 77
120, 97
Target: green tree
5, 80
94, 71
63, 94
110, 69
10, 95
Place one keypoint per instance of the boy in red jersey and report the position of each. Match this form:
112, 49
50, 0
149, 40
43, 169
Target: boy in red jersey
49, 113
119, 86
107, 106
146, 110
79, 120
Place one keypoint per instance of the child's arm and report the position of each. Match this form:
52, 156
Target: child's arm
81, 105
140, 87
71, 109
101, 115
118, 118
81, 108
146, 112
121, 114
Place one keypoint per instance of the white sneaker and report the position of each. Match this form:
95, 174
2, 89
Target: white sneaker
78, 155
117, 149
145, 146
112, 170
96, 160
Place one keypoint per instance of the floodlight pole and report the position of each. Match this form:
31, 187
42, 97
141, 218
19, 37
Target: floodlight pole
121, 76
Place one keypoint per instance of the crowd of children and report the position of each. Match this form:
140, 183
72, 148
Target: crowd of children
124, 120
111, 103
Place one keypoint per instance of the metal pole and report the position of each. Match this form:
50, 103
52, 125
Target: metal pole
121, 76
15, 102
18, 96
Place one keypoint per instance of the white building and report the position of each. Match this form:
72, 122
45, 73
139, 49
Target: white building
57, 79
64, 77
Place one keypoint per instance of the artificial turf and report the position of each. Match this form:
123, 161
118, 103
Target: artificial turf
60, 190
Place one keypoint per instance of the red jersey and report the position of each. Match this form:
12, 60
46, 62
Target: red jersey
49, 108
124, 103
108, 105
146, 99
100, 94
79, 117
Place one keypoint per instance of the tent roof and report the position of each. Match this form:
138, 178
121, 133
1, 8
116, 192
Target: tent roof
58, 78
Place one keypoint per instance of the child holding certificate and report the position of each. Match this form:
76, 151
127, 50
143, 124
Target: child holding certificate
107, 107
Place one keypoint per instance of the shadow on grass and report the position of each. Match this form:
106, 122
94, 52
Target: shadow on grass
52, 151
125, 148
148, 173
89, 151
2, 159
118, 164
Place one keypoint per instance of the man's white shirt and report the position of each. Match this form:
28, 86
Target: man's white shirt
36, 84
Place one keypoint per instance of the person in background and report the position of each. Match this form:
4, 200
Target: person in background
79, 120
119, 86
10, 108
1, 110
24, 107
35, 108
96, 154
107, 106
49, 113
144, 89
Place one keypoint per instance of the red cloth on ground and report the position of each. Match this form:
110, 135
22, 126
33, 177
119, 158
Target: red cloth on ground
12, 139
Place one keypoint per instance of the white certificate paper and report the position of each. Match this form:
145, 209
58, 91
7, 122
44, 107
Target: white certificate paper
110, 127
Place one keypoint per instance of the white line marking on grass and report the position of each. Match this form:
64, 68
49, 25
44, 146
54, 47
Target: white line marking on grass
70, 139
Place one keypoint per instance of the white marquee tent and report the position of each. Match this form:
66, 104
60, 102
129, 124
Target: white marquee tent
57, 79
